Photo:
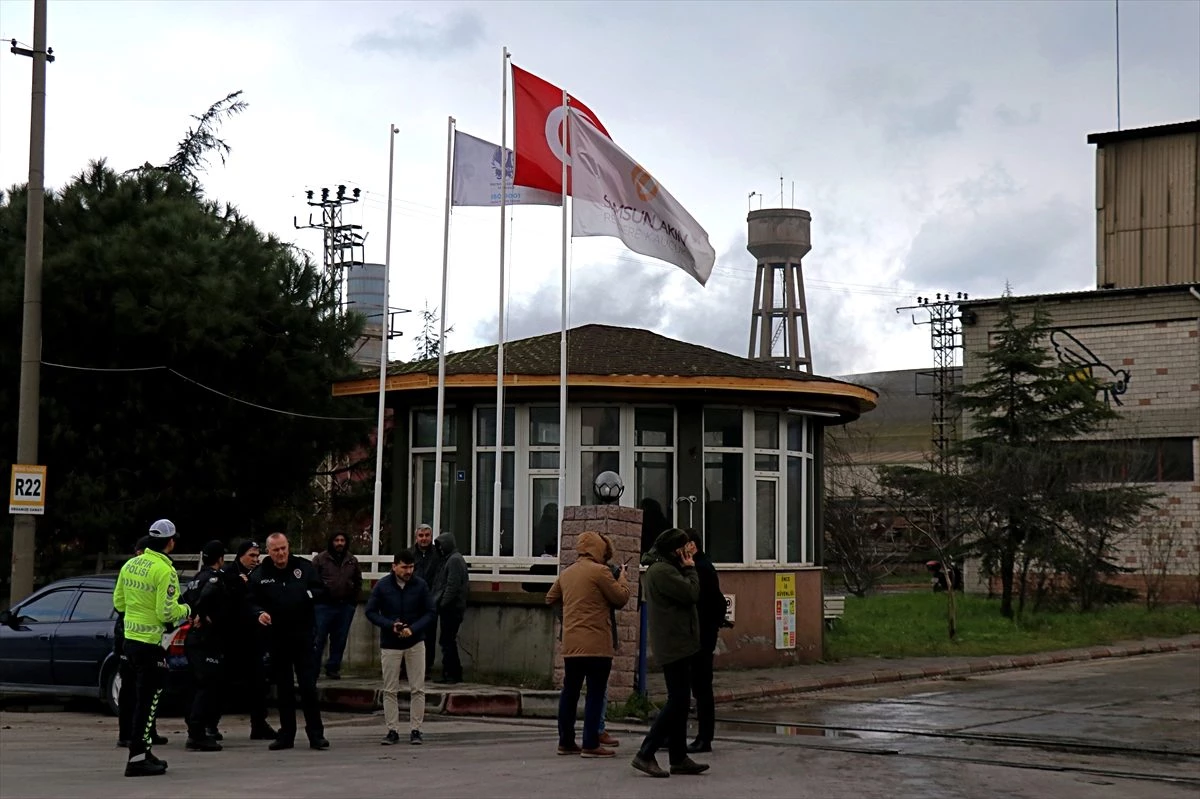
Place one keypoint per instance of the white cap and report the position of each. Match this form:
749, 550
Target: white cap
163, 528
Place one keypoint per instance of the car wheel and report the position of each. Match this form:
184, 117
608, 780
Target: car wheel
111, 687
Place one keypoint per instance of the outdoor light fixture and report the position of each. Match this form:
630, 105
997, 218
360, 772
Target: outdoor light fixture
608, 487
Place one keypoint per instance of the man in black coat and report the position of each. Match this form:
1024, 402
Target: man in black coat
245, 640
208, 596
284, 590
711, 611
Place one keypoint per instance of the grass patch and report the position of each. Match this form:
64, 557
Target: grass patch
534, 682
914, 625
635, 707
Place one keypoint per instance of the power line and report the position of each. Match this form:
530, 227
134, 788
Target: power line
218, 392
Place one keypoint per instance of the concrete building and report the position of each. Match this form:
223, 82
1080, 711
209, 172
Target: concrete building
729, 445
1142, 345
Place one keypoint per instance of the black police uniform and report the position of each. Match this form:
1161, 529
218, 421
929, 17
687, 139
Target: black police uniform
288, 594
207, 595
245, 649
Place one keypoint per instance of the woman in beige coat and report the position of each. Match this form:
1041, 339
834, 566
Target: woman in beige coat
588, 592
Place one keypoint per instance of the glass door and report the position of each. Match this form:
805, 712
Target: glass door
766, 517
423, 471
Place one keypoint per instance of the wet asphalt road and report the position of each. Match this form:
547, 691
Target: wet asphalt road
1096, 730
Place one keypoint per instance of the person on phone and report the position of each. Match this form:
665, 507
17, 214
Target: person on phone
711, 612
672, 589
610, 552
588, 592
402, 608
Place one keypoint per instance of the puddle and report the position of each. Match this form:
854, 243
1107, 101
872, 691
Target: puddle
806, 731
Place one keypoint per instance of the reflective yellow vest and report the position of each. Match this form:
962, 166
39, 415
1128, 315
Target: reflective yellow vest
147, 593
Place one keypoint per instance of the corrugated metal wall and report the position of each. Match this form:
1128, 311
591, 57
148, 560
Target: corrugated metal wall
1148, 211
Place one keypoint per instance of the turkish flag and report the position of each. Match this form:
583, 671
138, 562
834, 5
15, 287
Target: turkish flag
537, 130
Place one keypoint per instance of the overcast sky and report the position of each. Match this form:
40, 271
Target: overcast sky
939, 146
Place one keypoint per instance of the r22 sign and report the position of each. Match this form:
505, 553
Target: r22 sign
27, 490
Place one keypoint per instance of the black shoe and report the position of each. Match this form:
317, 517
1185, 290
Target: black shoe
144, 768
318, 743
202, 745
699, 745
215, 734
447, 681
688, 766
263, 733
158, 740
391, 738
415, 738
158, 760
648, 765
281, 743
333, 675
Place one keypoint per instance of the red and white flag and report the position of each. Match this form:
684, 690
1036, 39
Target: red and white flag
537, 130
615, 196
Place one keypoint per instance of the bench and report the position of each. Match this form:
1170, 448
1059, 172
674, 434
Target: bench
835, 608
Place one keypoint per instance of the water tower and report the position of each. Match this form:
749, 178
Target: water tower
364, 295
778, 239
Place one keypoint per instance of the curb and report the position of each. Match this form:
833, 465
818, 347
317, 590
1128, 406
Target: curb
514, 702
1000, 663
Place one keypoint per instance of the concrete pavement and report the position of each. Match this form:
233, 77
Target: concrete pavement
472, 699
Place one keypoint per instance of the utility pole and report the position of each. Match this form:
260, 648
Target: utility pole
24, 525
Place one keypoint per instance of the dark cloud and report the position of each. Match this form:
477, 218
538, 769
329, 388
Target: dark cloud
433, 40
935, 117
1016, 117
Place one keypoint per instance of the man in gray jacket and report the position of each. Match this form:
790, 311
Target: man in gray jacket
450, 597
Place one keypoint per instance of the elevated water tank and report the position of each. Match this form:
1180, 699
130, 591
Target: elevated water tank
364, 294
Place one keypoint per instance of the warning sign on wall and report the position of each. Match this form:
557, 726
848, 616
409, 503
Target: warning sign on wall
785, 611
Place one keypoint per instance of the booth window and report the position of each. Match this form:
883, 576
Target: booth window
424, 459
485, 478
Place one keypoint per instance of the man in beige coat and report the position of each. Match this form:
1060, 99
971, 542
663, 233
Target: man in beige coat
588, 592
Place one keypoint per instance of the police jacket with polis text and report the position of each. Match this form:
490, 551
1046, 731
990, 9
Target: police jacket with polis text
207, 594
287, 594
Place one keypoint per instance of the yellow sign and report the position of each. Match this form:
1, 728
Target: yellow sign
785, 585
785, 611
27, 490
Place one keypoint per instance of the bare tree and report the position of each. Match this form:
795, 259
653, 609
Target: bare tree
1155, 557
860, 533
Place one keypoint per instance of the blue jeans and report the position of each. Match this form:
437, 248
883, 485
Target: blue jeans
595, 671
333, 621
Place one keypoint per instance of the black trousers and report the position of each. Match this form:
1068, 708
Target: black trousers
208, 673
702, 687
292, 656
126, 699
244, 663
451, 665
670, 727
595, 671
431, 637
149, 663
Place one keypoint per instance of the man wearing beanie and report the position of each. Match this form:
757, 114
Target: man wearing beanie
245, 643
671, 588
207, 596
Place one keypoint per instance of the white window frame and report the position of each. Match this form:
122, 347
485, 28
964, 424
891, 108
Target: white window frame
414, 451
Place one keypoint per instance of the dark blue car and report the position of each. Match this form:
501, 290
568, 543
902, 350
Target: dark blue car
59, 642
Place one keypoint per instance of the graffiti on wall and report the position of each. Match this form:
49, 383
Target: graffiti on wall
1083, 364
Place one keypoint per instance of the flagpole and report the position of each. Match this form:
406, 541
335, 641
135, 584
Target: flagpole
441, 385
562, 344
377, 513
497, 489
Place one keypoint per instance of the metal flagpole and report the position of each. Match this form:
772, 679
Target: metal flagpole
441, 385
384, 330
497, 489
562, 344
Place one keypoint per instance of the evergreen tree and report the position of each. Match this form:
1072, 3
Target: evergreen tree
428, 341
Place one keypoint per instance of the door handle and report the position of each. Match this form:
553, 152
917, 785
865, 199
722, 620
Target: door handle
102, 636
43, 638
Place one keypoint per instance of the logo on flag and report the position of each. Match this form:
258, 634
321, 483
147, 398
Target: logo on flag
615, 196
479, 171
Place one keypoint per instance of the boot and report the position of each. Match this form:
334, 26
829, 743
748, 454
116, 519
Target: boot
144, 768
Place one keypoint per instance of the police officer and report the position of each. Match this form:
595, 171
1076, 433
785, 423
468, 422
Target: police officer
246, 640
127, 697
284, 589
147, 594
207, 596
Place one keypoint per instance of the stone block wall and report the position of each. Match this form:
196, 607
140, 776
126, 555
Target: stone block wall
624, 527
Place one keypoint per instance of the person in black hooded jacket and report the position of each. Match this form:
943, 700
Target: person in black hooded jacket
283, 590
450, 588
711, 612
208, 596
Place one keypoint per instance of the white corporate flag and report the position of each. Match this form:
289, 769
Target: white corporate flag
614, 196
476, 177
